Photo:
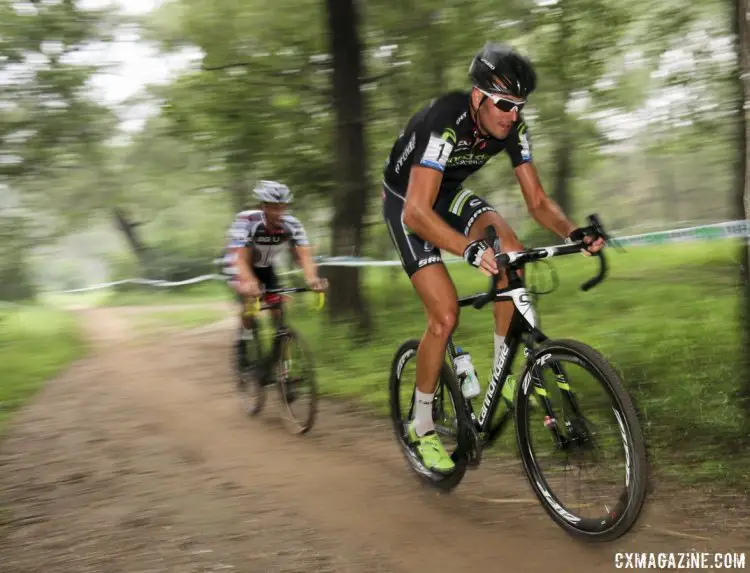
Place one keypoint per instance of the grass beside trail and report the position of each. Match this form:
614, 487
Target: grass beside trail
179, 318
143, 295
36, 343
666, 319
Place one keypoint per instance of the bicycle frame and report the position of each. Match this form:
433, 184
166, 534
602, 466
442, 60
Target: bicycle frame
279, 321
524, 325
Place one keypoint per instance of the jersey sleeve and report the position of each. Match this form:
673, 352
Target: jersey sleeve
435, 137
519, 144
297, 231
238, 233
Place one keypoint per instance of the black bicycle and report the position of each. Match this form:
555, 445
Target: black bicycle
288, 351
545, 405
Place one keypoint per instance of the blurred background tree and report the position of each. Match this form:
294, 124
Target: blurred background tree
636, 117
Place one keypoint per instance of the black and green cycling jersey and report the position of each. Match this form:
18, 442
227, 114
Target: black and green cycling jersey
443, 136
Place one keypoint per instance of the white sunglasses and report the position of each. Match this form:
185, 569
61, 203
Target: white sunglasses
505, 104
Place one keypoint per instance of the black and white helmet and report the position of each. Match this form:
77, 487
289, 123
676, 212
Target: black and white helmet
272, 192
499, 70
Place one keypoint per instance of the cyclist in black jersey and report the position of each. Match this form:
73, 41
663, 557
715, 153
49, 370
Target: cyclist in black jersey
255, 241
426, 208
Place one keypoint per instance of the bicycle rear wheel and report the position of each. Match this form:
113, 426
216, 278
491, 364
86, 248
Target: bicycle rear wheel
294, 370
451, 423
575, 434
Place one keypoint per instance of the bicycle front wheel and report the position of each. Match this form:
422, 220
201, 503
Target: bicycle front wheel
294, 370
579, 437
249, 382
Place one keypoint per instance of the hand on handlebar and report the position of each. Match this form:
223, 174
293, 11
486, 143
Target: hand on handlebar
479, 254
595, 245
590, 236
249, 288
317, 284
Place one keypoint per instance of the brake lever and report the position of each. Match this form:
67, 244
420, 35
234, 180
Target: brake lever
596, 223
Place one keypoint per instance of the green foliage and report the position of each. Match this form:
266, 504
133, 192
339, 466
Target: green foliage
36, 342
47, 123
16, 283
259, 106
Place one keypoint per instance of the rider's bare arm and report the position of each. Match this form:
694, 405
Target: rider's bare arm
244, 270
543, 209
303, 256
419, 216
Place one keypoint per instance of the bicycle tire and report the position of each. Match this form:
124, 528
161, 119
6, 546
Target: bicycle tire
250, 380
303, 426
616, 524
442, 482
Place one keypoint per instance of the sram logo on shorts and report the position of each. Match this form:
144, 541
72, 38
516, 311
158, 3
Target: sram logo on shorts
429, 260
473, 218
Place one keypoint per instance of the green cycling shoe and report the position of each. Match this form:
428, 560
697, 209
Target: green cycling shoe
431, 451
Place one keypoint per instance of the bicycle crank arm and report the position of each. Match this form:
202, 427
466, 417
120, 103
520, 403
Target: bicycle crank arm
470, 444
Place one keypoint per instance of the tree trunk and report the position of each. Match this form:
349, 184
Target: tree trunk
564, 172
128, 229
564, 152
742, 190
346, 296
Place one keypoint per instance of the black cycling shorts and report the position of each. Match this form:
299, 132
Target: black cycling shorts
459, 210
268, 279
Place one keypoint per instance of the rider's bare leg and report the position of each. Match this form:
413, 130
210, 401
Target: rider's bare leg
438, 294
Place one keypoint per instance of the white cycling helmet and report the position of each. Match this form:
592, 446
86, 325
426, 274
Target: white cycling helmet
272, 192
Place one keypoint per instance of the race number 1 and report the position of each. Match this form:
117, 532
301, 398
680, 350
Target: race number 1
437, 152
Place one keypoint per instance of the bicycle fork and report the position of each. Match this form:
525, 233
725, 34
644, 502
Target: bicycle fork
576, 431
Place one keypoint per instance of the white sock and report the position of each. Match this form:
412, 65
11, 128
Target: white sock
499, 342
423, 421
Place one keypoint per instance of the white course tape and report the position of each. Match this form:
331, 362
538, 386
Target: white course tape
717, 231
149, 282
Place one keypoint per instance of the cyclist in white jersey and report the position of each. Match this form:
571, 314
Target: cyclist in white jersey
256, 240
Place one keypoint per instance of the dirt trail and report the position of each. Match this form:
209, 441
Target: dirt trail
140, 459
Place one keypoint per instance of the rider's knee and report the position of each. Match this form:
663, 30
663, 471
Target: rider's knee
441, 324
512, 243
508, 239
